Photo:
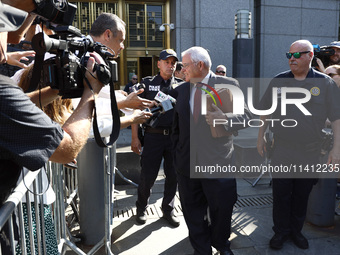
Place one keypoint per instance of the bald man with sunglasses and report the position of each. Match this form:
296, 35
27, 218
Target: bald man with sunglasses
298, 147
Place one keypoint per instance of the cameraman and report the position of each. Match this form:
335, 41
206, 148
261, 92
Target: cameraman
109, 30
335, 58
28, 137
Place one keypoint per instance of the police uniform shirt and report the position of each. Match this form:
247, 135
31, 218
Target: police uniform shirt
324, 103
154, 84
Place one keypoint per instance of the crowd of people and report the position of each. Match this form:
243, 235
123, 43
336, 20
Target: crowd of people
182, 137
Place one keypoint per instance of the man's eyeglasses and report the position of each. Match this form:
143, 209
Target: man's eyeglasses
295, 54
134, 78
223, 72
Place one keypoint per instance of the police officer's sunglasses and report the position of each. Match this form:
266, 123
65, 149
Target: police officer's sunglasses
295, 54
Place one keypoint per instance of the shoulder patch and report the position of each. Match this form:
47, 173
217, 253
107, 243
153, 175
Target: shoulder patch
315, 91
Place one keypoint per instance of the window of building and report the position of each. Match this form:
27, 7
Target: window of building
143, 22
87, 12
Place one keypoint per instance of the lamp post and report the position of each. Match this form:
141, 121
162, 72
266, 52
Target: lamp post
243, 24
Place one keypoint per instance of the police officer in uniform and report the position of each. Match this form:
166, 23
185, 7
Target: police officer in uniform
157, 144
299, 145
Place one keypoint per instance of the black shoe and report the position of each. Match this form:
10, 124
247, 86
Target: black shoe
141, 217
277, 241
300, 241
226, 252
171, 218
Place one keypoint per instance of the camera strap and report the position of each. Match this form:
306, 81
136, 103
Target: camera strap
36, 74
115, 119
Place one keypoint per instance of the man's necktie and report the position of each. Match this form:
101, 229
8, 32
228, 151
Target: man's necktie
197, 102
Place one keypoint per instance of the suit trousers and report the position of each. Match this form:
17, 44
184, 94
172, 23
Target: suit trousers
290, 195
157, 147
197, 197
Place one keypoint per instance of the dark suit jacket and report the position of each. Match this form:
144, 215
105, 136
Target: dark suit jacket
193, 143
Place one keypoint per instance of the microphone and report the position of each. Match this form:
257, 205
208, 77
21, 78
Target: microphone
161, 96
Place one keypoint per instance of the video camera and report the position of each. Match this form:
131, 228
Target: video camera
66, 70
56, 11
322, 53
167, 100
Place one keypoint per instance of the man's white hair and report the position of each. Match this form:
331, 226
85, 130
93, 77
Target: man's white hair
198, 54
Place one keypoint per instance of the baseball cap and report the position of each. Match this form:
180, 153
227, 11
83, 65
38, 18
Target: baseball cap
167, 53
334, 44
11, 18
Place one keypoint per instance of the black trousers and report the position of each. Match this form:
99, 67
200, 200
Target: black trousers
290, 195
157, 147
197, 197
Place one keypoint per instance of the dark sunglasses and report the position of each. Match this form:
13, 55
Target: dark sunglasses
134, 78
220, 71
295, 54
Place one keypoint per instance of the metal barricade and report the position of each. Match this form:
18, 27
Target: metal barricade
65, 197
8, 214
65, 186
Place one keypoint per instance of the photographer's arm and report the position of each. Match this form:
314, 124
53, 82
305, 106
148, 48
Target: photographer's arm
78, 125
16, 36
25, 5
43, 96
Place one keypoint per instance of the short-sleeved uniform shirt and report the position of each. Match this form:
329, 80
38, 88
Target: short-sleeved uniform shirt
324, 103
28, 137
154, 84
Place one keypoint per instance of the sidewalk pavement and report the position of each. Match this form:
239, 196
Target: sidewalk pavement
251, 223
251, 226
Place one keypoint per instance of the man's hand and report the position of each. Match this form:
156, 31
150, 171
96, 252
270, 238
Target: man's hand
136, 146
138, 117
13, 58
212, 115
320, 66
261, 148
334, 157
121, 92
92, 77
134, 101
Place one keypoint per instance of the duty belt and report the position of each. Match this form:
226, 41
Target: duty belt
308, 147
163, 131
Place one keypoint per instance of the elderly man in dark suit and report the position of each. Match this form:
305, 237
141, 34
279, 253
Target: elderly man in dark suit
207, 201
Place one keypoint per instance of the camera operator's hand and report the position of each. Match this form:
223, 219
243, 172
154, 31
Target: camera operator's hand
320, 66
134, 101
92, 78
13, 58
